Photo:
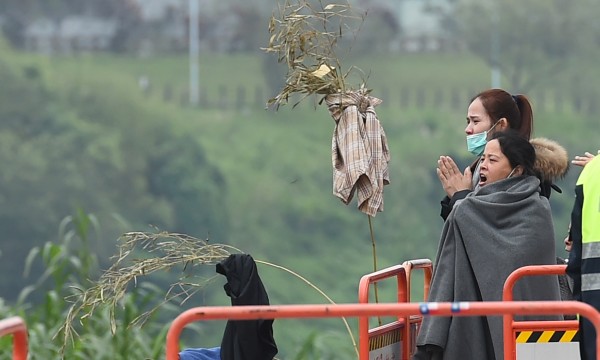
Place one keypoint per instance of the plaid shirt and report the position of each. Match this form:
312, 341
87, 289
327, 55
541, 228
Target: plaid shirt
359, 150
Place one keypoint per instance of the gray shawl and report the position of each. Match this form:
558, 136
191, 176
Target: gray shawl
493, 231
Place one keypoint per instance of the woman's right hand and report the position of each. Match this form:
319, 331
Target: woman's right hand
584, 159
451, 177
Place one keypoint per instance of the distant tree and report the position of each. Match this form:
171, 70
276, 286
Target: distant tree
180, 172
528, 41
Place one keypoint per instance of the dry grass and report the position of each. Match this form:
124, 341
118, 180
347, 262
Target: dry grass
162, 252
305, 36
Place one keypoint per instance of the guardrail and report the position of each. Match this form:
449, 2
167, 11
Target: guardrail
401, 324
358, 310
16, 326
402, 332
511, 327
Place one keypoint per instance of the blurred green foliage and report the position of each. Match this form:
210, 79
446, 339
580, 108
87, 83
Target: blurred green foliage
79, 133
69, 140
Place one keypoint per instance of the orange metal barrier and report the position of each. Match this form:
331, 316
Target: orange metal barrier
415, 320
403, 330
364, 338
511, 327
427, 267
362, 310
16, 326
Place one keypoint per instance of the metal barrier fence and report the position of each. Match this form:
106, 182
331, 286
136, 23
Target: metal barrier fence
15, 326
395, 339
240, 97
563, 331
364, 310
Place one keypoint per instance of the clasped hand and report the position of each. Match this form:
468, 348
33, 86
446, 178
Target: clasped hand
451, 177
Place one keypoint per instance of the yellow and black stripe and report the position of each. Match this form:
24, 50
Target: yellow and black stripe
547, 336
386, 339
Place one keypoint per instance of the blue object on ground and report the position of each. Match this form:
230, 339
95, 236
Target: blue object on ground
201, 354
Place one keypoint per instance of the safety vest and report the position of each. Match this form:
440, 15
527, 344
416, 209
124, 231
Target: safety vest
590, 219
590, 213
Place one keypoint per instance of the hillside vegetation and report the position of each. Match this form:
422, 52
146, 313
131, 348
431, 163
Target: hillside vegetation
79, 133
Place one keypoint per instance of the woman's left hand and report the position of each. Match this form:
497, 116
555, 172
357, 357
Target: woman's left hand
451, 177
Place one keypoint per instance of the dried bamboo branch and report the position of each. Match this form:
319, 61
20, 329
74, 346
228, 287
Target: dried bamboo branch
305, 36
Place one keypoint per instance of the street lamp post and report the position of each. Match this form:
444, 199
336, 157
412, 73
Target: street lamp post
495, 49
194, 10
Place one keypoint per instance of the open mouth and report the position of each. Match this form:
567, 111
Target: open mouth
482, 179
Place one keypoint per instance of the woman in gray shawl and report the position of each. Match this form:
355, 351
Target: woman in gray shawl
502, 226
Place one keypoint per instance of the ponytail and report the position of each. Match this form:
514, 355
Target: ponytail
526, 111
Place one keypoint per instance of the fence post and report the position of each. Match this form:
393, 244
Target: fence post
222, 101
404, 97
385, 94
438, 98
167, 93
240, 97
259, 96
541, 101
420, 103
455, 99
558, 102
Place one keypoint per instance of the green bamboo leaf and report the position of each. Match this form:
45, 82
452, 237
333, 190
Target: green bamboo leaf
33, 253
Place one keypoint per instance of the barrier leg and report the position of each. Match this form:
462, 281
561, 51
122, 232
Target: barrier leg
16, 327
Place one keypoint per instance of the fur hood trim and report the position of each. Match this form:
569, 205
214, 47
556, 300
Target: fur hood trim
551, 159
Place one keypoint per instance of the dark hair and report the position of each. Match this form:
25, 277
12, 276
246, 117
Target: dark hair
516, 109
517, 150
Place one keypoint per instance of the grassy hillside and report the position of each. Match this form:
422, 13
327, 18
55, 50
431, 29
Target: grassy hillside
276, 166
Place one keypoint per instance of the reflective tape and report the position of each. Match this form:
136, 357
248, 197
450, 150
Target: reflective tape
591, 250
590, 282
548, 336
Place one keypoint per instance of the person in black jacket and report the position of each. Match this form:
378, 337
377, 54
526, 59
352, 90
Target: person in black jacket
491, 111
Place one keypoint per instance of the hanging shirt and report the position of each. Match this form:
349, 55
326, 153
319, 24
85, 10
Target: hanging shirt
359, 148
